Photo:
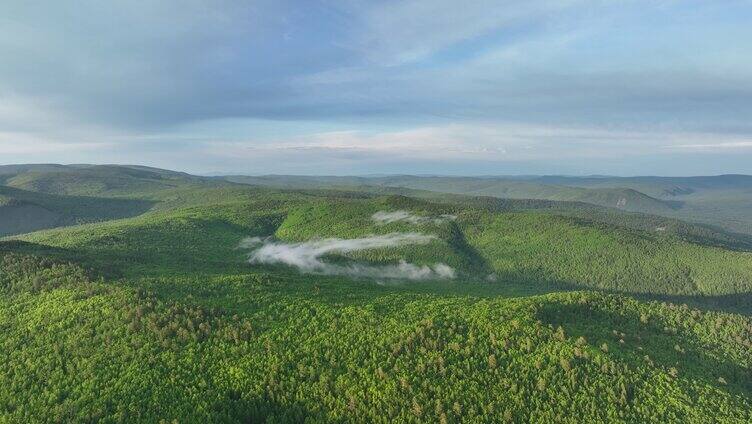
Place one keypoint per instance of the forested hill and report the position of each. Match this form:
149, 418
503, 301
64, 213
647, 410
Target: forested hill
723, 201
227, 302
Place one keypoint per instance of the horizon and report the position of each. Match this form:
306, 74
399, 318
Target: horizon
424, 211
387, 87
379, 175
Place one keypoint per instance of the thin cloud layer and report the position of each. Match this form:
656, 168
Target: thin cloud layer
357, 86
388, 217
307, 256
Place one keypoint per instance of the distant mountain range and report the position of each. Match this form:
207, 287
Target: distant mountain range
724, 200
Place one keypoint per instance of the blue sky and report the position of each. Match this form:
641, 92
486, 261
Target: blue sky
655, 87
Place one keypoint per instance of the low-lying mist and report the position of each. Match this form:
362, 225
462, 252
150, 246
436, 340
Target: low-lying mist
307, 256
386, 217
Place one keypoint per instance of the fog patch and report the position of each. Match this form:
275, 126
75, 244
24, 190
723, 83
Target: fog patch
387, 217
307, 256
251, 242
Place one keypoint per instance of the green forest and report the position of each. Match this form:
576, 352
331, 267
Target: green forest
155, 296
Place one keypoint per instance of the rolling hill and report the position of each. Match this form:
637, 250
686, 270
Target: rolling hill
25, 211
723, 201
226, 302
92, 180
625, 199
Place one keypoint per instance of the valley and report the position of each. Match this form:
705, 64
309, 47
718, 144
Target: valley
224, 301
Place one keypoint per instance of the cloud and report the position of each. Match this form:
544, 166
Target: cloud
405, 31
731, 145
457, 149
307, 256
251, 242
409, 85
386, 217
161, 63
155, 63
24, 144
486, 141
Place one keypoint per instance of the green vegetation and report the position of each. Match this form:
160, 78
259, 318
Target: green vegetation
284, 348
88, 180
723, 201
24, 211
626, 199
560, 312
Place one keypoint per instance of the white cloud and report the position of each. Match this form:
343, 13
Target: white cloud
388, 217
484, 142
480, 82
724, 145
307, 256
396, 32
21, 143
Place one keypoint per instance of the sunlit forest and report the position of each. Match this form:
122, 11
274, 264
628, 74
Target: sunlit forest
186, 299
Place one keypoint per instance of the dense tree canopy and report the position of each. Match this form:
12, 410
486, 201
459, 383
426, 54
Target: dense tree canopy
160, 317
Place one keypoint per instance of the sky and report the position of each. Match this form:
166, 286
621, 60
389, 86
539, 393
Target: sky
335, 87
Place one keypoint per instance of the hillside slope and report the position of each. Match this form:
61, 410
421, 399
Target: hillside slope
24, 211
34, 197
280, 347
534, 247
349, 317
724, 201
530, 247
625, 199
620, 198
94, 180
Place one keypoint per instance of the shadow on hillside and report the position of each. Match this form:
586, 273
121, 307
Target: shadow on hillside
164, 249
739, 303
107, 268
55, 254
717, 236
263, 409
28, 248
647, 342
475, 262
68, 209
538, 278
